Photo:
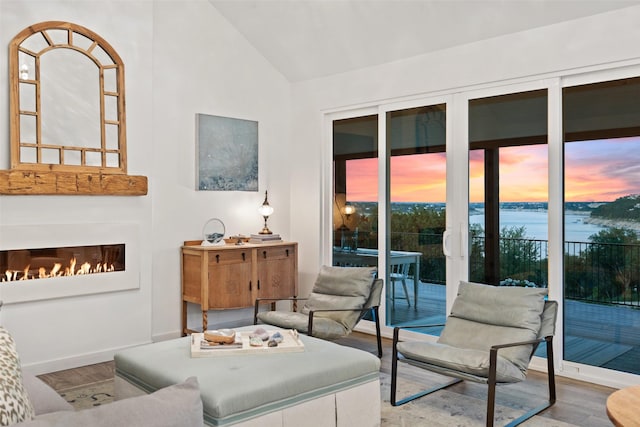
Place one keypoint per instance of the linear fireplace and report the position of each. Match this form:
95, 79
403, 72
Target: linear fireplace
48, 261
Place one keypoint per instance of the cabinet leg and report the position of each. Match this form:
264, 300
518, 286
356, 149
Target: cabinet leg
184, 318
205, 321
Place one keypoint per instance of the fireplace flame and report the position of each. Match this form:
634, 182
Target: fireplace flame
56, 271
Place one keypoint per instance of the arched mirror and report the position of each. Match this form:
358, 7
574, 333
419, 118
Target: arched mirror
67, 119
67, 100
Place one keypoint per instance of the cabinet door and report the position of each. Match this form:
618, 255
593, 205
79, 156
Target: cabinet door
230, 279
277, 273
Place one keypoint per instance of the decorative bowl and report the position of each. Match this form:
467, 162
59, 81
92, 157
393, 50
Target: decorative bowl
220, 336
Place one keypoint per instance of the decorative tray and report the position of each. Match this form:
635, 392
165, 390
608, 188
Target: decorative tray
244, 345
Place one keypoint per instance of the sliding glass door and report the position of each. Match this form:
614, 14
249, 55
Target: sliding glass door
390, 212
601, 123
416, 201
531, 184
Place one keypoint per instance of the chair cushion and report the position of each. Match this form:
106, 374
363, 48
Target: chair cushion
473, 362
461, 333
15, 405
549, 315
512, 306
340, 288
322, 327
484, 315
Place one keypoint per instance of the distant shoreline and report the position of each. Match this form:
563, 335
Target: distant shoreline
609, 223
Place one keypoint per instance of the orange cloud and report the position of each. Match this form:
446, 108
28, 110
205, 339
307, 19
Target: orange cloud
524, 174
602, 170
362, 180
594, 171
418, 178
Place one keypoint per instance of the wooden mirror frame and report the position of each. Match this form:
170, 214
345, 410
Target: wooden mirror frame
39, 177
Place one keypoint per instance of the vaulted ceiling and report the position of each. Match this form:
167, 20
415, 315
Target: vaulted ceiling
307, 39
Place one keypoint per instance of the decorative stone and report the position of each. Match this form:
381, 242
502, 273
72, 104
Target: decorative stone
272, 343
277, 337
255, 341
260, 333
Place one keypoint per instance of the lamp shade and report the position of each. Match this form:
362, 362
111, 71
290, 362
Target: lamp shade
265, 210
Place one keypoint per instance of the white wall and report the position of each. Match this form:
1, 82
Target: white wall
181, 58
202, 65
596, 40
58, 333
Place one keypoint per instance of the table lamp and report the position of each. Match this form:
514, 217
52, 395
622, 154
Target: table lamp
265, 210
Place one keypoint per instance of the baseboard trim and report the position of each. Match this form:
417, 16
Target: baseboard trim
369, 327
71, 362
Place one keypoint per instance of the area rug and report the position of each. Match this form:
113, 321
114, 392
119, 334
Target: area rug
445, 409
441, 409
89, 395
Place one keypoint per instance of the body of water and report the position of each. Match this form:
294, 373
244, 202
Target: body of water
536, 224
532, 215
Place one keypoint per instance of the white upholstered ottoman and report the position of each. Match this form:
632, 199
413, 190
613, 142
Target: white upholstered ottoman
326, 385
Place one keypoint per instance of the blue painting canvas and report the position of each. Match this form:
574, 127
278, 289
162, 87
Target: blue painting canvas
227, 154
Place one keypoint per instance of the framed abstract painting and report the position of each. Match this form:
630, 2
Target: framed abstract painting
226, 154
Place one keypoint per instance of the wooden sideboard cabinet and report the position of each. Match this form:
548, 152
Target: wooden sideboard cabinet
233, 276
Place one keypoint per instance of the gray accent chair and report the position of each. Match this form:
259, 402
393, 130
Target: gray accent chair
489, 337
340, 298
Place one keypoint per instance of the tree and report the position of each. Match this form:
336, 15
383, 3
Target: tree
420, 229
614, 256
520, 257
476, 253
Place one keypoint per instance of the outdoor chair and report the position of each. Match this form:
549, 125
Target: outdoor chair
399, 273
489, 337
340, 298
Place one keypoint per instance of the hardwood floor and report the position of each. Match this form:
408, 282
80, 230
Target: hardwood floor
578, 403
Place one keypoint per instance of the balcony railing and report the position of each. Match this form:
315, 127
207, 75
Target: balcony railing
602, 272
595, 272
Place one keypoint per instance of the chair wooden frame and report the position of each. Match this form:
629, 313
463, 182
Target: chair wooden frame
490, 381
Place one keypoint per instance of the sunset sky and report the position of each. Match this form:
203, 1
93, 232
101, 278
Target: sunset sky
594, 171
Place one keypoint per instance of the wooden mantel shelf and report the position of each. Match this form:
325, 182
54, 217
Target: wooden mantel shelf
29, 182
